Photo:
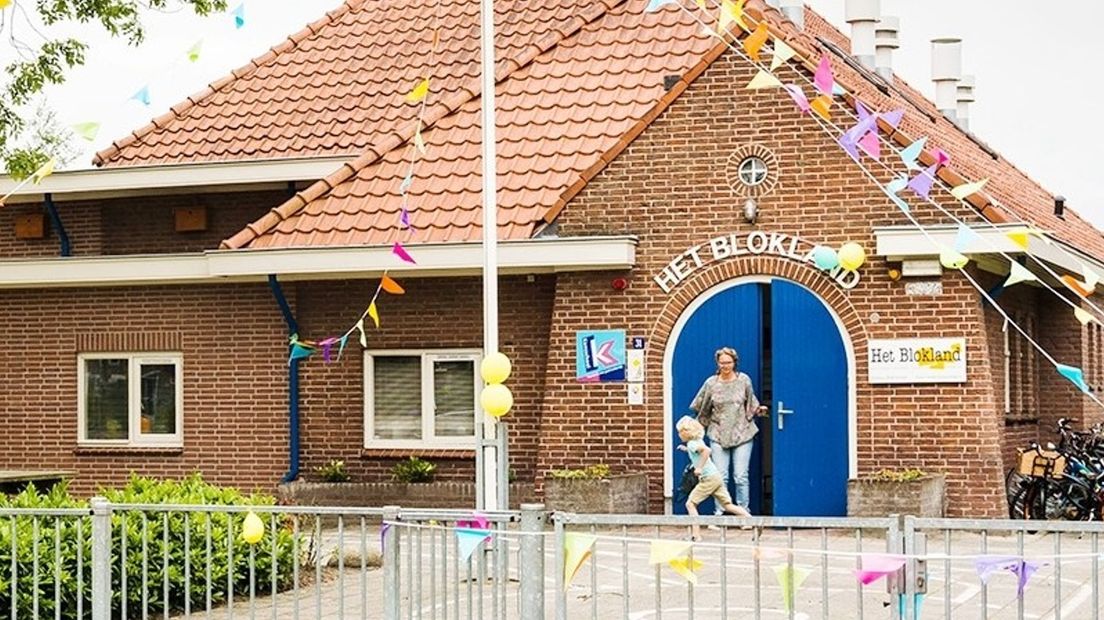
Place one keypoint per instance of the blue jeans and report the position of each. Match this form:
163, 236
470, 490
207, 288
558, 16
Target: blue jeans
739, 457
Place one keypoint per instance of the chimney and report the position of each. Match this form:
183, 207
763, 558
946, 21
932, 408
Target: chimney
964, 97
1060, 206
863, 16
946, 70
794, 10
885, 41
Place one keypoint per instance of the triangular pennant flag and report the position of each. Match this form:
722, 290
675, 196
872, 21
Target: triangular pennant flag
1023, 571
391, 286
477, 521
790, 579
406, 183
763, 79
326, 345
798, 97
404, 218
941, 157
44, 170
686, 567
897, 184
239, 15
577, 548
731, 13
142, 95
299, 351
341, 347
965, 238
1019, 236
823, 77
363, 337
468, 540
193, 51
874, 566
892, 188
5, 4
419, 142
922, 182
1091, 277
861, 110
754, 42
966, 189
893, 117
372, 312
821, 105
419, 92
911, 153
1074, 375
87, 131
986, 565
1082, 316
952, 259
871, 145
655, 5
782, 53
1076, 285
1018, 274
397, 250
663, 551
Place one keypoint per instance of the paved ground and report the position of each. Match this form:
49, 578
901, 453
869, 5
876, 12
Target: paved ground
618, 582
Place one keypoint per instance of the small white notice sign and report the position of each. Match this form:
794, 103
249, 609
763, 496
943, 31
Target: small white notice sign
917, 360
634, 372
636, 393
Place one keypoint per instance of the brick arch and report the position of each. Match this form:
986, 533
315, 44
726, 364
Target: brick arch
814, 280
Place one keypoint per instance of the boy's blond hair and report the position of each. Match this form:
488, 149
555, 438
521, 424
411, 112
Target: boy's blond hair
691, 426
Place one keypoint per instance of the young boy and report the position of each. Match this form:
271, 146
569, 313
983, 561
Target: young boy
710, 482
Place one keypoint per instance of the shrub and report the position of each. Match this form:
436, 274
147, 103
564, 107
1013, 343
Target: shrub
903, 475
413, 469
592, 472
334, 471
153, 545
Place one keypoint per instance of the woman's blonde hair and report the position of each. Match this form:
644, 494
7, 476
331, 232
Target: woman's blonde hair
729, 351
691, 426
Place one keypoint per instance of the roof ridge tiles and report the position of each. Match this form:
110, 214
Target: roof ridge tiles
377, 151
104, 157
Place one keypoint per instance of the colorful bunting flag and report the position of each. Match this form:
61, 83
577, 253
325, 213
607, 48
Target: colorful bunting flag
822, 106
655, 5
966, 238
372, 312
823, 77
239, 16
391, 286
893, 118
686, 567
142, 95
1082, 316
986, 565
44, 170
326, 345
861, 110
790, 579
193, 51
781, 54
341, 347
967, 189
798, 97
363, 337
1018, 274
1091, 278
419, 142
850, 138
299, 351
951, 259
1019, 236
397, 250
468, 540
406, 183
874, 566
941, 157
577, 548
911, 153
922, 182
663, 551
1074, 375
763, 79
419, 92
897, 184
404, 218
5, 4
477, 521
731, 13
871, 145
87, 131
1076, 285
754, 42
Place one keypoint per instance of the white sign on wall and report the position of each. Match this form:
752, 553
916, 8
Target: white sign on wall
917, 360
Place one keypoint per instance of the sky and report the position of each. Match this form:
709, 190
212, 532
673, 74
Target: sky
1033, 89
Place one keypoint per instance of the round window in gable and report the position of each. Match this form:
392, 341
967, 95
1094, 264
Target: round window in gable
753, 171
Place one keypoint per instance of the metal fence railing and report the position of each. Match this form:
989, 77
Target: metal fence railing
131, 561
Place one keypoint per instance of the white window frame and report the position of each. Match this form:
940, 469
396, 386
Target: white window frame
136, 438
429, 438
750, 159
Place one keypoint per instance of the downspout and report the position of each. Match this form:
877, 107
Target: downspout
55, 220
293, 383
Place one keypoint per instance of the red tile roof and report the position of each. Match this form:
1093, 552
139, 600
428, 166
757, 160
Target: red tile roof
577, 81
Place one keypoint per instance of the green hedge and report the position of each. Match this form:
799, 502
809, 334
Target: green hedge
144, 548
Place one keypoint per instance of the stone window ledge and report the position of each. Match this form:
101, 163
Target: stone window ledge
128, 451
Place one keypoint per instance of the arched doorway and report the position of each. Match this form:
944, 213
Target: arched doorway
792, 347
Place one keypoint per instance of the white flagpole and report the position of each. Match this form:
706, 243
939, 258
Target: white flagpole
487, 477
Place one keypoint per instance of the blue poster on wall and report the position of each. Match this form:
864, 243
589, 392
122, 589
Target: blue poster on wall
600, 355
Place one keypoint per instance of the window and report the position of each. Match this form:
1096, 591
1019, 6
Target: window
1021, 395
420, 398
130, 399
753, 171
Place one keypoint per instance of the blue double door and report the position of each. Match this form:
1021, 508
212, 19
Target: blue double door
791, 348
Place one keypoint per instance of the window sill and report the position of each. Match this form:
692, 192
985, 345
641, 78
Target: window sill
433, 453
129, 450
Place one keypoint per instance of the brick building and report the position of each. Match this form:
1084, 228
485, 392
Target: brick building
629, 149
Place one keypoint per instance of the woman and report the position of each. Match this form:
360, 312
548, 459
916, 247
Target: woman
726, 405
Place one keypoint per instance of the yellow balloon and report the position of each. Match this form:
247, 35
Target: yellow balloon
496, 399
252, 528
495, 368
851, 256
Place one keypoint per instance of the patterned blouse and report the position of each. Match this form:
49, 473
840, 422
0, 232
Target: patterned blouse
729, 408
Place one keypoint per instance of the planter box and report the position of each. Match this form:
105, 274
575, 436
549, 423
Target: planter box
925, 497
377, 494
625, 494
